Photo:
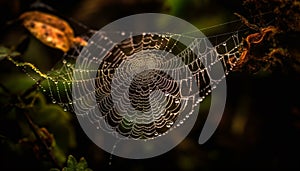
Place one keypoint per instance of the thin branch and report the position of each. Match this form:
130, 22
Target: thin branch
44, 144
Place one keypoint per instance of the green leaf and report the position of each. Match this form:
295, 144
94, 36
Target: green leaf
82, 164
73, 165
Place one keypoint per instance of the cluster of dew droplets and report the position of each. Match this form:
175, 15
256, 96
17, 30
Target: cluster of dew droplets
57, 85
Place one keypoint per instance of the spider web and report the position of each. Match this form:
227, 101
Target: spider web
155, 98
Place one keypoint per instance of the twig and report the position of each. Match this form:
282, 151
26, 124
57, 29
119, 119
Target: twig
44, 144
247, 23
30, 65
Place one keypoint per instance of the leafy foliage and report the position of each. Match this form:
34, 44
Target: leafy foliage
73, 165
46, 127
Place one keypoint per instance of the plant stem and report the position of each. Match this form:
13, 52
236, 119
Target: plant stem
34, 129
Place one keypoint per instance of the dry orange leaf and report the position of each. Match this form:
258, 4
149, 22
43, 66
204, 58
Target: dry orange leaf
51, 30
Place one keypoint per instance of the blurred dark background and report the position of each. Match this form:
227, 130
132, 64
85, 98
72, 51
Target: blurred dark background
260, 127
